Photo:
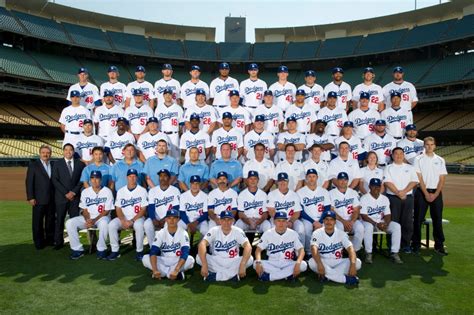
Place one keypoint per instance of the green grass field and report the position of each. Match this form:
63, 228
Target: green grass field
48, 282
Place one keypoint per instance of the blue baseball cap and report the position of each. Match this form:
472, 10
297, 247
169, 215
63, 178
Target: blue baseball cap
82, 70
348, 124
252, 174
375, 182
195, 179
137, 92
152, 120
195, 67
167, 66
194, 116
75, 93
140, 69
380, 122
332, 94
337, 69
267, 93
164, 171
300, 92
222, 173
343, 175
132, 171
398, 69
282, 69
234, 93
226, 214
395, 94
364, 95
282, 176
87, 121
291, 118
311, 171
224, 65
167, 91
260, 118
368, 69
96, 174
227, 115
310, 73
282, 215
122, 119
113, 69
108, 93
326, 214
200, 92
172, 213
253, 66
410, 127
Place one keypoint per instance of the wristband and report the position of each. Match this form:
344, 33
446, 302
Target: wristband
258, 262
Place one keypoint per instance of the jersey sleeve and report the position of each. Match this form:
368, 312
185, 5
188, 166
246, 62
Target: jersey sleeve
210, 236
356, 202
363, 205
109, 205
263, 243
62, 117
144, 202
387, 177
82, 204
241, 237
314, 239
413, 94
413, 176
345, 240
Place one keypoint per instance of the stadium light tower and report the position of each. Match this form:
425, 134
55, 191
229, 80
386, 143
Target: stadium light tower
234, 29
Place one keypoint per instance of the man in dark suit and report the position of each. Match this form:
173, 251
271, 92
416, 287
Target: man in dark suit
66, 177
40, 194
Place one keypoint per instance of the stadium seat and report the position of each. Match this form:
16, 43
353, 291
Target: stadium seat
339, 47
426, 34
428, 120
234, 51
463, 153
414, 71
302, 50
87, 36
17, 63
98, 71
23, 115
167, 48
130, 43
9, 23
40, 115
457, 120
61, 68
200, 50
10, 119
380, 42
450, 69
268, 51
43, 27
461, 29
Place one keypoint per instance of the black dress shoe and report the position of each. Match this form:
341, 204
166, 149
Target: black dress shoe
441, 251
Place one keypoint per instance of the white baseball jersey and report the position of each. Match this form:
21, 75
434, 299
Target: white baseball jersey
85, 144
351, 167
412, 149
225, 245
368, 174
138, 117
240, 117
188, 92
146, 143
252, 93
330, 247
334, 118
116, 142
199, 140
170, 244
295, 138
376, 209
233, 137
344, 203
89, 94
219, 90
131, 202
146, 87
283, 95
364, 121
252, 205
304, 116
314, 95
289, 202
280, 246
162, 85
375, 92
96, 203
383, 146
73, 118
194, 206
313, 202
397, 120
321, 167
344, 93
265, 170
170, 117
107, 119
163, 200
118, 88
273, 117
207, 113
405, 88
252, 138
294, 170
219, 200
325, 138
355, 146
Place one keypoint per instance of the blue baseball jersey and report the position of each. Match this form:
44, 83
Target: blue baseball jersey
105, 169
155, 164
119, 173
189, 169
233, 168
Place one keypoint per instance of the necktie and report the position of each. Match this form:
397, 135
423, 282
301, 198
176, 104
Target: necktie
69, 167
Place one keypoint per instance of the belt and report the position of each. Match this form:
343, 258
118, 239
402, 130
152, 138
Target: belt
299, 161
431, 191
398, 138
334, 135
221, 106
305, 133
74, 132
252, 107
170, 132
383, 165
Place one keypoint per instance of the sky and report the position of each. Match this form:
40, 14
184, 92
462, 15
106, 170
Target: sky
259, 14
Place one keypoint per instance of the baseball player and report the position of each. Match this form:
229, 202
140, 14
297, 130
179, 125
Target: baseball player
207, 113
161, 160
138, 114
304, 113
227, 134
117, 89
229, 165
363, 117
188, 89
120, 169
147, 90
274, 119
87, 141
411, 145
240, 115
284, 250
170, 118
146, 143
167, 83
375, 213
263, 166
314, 93
314, 200
106, 116
319, 137
117, 140
345, 202
409, 98
333, 115
374, 91
72, 118
88, 92
224, 263
252, 89
283, 91
97, 164
292, 167
292, 135
259, 135
315, 162
397, 118
130, 205
251, 205
381, 143
169, 255
342, 89
191, 168
161, 199
221, 86
327, 244
195, 137
193, 208
221, 198
356, 150
96, 203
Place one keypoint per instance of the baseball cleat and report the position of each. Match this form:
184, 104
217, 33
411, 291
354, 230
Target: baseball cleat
407, 250
139, 256
352, 280
264, 277
113, 256
396, 258
368, 258
235, 278
101, 255
211, 277
181, 276
76, 254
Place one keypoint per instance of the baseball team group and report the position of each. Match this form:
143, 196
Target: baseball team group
308, 174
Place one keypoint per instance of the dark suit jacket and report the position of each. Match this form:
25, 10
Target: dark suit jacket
38, 184
63, 183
